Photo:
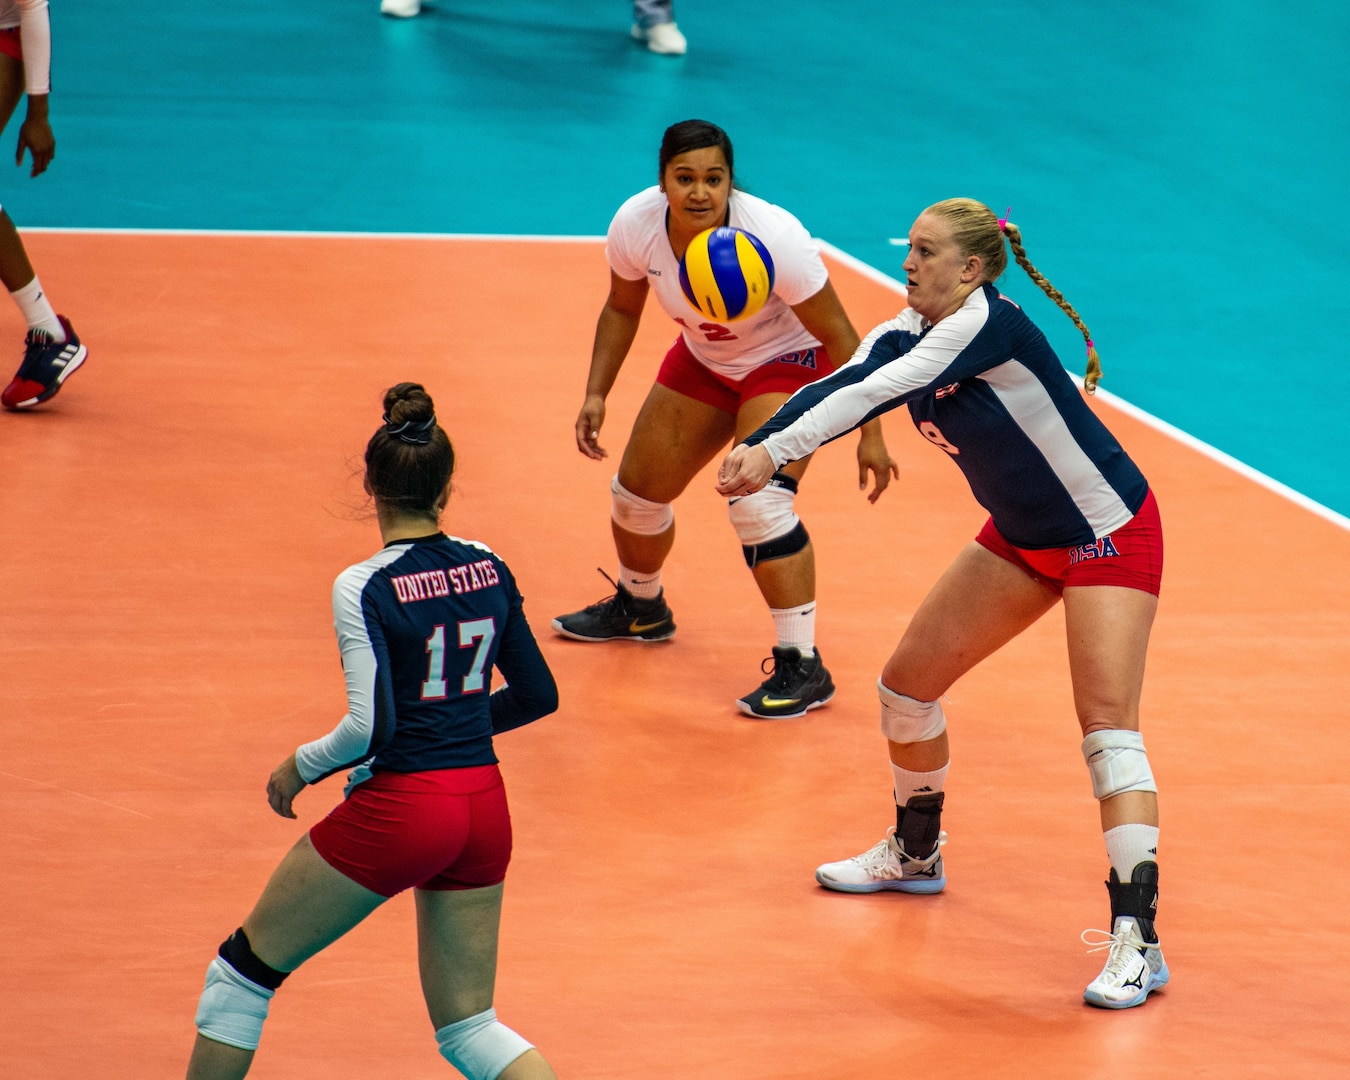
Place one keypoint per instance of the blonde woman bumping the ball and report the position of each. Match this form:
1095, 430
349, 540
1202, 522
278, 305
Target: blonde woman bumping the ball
718, 382
1071, 519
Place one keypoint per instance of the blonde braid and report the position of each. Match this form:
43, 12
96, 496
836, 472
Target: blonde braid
1094, 364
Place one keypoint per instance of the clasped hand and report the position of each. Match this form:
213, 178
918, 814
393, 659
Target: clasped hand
745, 470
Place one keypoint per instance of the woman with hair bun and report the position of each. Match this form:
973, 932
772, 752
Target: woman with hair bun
718, 382
1071, 518
420, 626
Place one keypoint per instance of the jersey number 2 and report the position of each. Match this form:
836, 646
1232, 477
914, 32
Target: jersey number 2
471, 632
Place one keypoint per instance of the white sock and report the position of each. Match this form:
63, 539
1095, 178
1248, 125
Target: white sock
796, 627
643, 586
1129, 845
908, 784
37, 310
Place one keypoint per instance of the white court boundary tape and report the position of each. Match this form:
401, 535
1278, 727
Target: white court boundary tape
866, 270
1212, 452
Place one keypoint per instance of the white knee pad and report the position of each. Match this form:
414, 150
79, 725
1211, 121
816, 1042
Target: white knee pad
1117, 761
766, 515
232, 1008
638, 515
907, 720
480, 1047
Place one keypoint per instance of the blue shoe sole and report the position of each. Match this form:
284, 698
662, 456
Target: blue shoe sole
917, 888
1156, 982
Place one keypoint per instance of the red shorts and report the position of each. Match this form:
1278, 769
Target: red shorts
1132, 556
444, 829
785, 374
10, 43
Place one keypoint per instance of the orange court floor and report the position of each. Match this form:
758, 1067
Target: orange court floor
170, 526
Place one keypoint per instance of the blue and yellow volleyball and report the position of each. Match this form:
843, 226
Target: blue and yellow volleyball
726, 273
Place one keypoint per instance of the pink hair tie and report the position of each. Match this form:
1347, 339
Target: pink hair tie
1003, 221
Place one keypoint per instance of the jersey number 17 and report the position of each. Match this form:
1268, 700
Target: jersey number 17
472, 632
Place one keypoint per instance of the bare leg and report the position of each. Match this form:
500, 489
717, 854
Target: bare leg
11, 86
1108, 629
673, 438
457, 958
306, 906
15, 269
978, 605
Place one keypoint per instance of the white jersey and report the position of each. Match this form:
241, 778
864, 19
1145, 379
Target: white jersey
638, 247
30, 16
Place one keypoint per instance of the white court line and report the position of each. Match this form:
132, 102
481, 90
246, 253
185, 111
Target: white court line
863, 268
1212, 452
304, 234
77, 794
871, 272
1218, 455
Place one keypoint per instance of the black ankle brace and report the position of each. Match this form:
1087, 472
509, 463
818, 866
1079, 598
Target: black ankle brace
919, 823
1136, 898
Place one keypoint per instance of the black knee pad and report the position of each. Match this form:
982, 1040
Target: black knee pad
778, 548
238, 953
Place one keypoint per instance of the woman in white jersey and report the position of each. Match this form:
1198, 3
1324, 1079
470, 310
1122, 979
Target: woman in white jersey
718, 382
52, 351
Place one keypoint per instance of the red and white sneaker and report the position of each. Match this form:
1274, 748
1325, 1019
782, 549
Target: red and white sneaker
46, 365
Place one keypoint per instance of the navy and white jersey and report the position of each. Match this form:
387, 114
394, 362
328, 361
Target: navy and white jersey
421, 625
985, 386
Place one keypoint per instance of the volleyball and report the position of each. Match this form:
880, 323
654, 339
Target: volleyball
726, 273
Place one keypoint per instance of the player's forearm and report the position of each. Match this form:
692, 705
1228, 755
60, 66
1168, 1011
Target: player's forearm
614, 334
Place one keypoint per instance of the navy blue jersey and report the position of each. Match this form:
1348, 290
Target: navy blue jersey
421, 625
985, 386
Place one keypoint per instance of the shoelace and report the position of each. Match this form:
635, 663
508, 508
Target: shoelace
1124, 952
878, 859
601, 605
785, 673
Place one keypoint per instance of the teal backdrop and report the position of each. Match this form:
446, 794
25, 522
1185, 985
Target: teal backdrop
1180, 170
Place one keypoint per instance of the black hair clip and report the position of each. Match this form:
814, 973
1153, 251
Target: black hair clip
410, 431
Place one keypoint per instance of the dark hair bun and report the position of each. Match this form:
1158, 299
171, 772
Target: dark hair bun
408, 402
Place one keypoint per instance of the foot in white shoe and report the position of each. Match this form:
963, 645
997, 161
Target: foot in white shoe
1134, 967
663, 38
886, 867
400, 9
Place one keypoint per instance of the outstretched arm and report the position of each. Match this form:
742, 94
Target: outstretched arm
824, 318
